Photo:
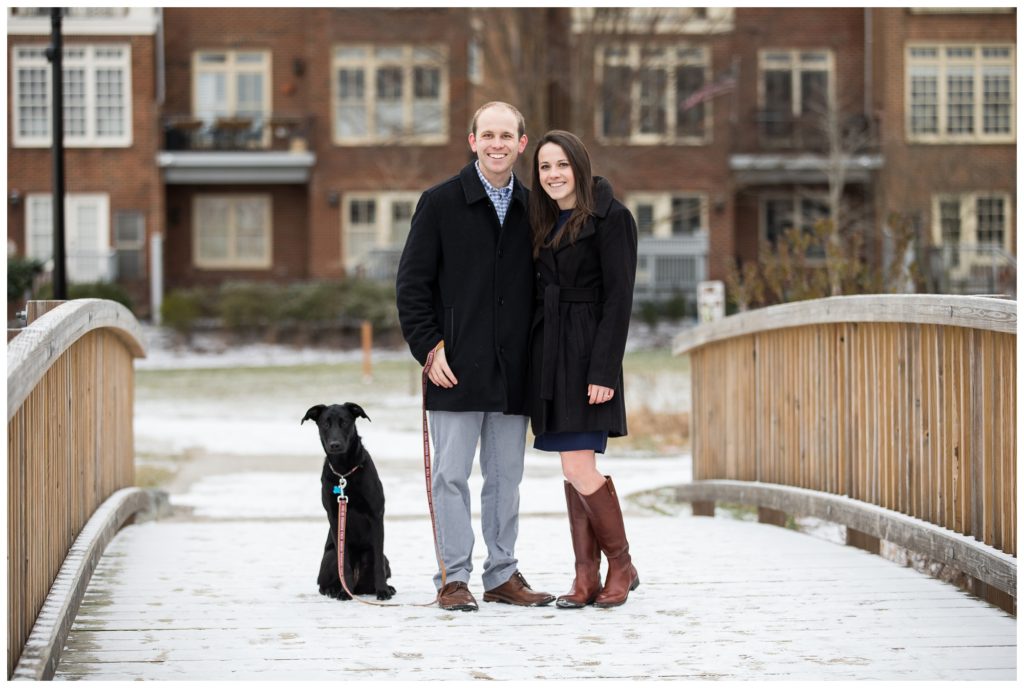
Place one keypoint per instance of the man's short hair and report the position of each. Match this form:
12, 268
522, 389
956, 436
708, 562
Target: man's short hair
511, 108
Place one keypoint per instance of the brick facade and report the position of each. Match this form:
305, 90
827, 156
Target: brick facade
536, 60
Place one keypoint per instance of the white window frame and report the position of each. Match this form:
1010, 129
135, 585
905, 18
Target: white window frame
795, 67
232, 261
942, 62
90, 63
383, 217
969, 226
662, 204
231, 68
72, 202
659, 20
369, 63
671, 61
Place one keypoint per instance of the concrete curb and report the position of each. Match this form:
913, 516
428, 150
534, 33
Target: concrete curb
41, 654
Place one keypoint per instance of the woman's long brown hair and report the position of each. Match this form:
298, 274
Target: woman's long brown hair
544, 209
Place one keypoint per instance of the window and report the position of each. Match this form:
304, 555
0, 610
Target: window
972, 219
960, 93
780, 213
664, 216
86, 238
232, 232
644, 92
97, 96
376, 222
795, 92
233, 84
653, 20
390, 94
130, 242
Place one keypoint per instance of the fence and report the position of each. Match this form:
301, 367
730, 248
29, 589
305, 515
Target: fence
904, 402
70, 396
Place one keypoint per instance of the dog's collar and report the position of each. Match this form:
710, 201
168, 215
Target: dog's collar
347, 474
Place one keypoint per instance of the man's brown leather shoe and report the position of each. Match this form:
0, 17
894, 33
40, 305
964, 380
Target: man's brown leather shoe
517, 591
456, 597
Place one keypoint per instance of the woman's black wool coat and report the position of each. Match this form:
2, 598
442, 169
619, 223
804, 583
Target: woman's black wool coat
584, 298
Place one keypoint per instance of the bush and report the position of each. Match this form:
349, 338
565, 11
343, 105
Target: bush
373, 301
20, 273
181, 309
90, 290
247, 305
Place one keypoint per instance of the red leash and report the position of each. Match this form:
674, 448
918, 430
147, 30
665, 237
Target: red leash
343, 504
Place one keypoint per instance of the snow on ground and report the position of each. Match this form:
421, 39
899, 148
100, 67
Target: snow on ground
226, 589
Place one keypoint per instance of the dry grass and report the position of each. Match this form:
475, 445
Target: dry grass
661, 432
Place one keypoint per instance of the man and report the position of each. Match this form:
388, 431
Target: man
465, 291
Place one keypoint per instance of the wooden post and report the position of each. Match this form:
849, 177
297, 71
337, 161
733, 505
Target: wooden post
868, 543
36, 309
772, 517
367, 332
703, 508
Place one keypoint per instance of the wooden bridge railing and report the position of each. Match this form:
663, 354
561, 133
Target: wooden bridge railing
904, 402
70, 396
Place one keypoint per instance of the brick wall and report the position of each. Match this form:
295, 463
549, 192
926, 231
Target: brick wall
127, 175
913, 172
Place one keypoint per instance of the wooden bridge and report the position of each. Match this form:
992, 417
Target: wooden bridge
893, 416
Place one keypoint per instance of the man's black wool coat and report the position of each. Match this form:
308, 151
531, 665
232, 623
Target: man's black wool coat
468, 280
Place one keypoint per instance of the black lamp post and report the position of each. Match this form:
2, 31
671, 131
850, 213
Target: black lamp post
55, 54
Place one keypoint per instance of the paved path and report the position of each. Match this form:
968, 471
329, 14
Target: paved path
221, 598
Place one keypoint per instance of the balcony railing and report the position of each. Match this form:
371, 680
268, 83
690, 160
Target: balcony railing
979, 269
669, 267
271, 132
782, 130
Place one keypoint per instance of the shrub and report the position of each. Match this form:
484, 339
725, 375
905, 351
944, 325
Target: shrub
90, 290
20, 273
247, 305
181, 309
373, 301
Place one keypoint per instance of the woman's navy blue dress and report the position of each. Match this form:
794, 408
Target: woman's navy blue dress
570, 441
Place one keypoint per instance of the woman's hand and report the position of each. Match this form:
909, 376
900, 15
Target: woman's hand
598, 394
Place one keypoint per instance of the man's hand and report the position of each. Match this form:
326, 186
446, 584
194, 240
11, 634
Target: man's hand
598, 394
440, 374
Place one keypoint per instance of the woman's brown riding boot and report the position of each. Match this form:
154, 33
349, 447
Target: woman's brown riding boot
605, 515
587, 583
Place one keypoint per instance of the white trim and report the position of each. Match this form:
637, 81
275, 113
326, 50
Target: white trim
231, 68
662, 204
942, 63
408, 62
139, 21
381, 227
232, 262
90, 63
660, 20
671, 63
96, 258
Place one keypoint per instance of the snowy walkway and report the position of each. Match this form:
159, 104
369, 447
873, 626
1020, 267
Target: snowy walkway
230, 593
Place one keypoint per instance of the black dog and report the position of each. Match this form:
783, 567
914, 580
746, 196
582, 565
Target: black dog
366, 568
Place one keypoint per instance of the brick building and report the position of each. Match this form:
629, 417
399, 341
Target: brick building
292, 144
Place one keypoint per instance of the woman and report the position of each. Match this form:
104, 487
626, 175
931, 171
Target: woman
584, 248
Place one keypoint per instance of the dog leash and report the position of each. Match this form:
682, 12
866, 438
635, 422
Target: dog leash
426, 471
343, 504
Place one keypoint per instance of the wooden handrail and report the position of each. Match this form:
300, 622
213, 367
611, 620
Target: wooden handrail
978, 312
904, 402
70, 442
31, 353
